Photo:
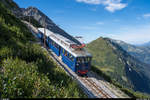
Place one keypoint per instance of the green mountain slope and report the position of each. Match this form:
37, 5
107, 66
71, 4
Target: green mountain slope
26, 70
115, 62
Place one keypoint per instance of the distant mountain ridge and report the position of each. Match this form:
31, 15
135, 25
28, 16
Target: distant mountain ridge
146, 44
114, 61
140, 52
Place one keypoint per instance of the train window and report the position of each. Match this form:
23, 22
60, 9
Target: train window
68, 55
78, 60
71, 57
56, 45
83, 60
65, 53
88, 59
53, 43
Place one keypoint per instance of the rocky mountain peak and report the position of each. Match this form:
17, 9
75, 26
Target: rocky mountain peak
43, 19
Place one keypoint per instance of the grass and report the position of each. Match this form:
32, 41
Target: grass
104, 58
26, 69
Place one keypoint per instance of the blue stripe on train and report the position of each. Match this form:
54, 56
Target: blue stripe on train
68, 62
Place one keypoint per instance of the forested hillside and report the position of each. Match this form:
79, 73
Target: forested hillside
26, 70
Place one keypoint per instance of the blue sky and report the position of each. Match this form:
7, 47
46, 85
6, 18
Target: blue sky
127, 20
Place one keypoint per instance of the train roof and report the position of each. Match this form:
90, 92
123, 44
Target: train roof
65, 43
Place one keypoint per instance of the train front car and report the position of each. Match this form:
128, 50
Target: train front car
83, 65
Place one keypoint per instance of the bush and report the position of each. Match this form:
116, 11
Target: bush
22, 80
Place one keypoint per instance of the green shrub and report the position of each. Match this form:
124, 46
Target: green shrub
22, 80
27, 70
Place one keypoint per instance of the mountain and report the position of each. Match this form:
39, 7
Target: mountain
140, 52
43, 19
37, 15
115, 62
26, 69
146, 44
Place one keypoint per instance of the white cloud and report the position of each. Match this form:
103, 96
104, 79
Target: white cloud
90, 1
110, 5
146, 15
137, 35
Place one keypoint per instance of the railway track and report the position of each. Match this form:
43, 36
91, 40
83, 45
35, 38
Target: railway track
95, 88
89, 86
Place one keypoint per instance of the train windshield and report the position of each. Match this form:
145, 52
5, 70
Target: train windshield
83, 60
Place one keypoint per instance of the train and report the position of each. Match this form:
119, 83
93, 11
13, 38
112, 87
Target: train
74, 55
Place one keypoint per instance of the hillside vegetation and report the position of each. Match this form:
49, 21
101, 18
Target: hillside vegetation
118, 66
105, 59
26, 70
